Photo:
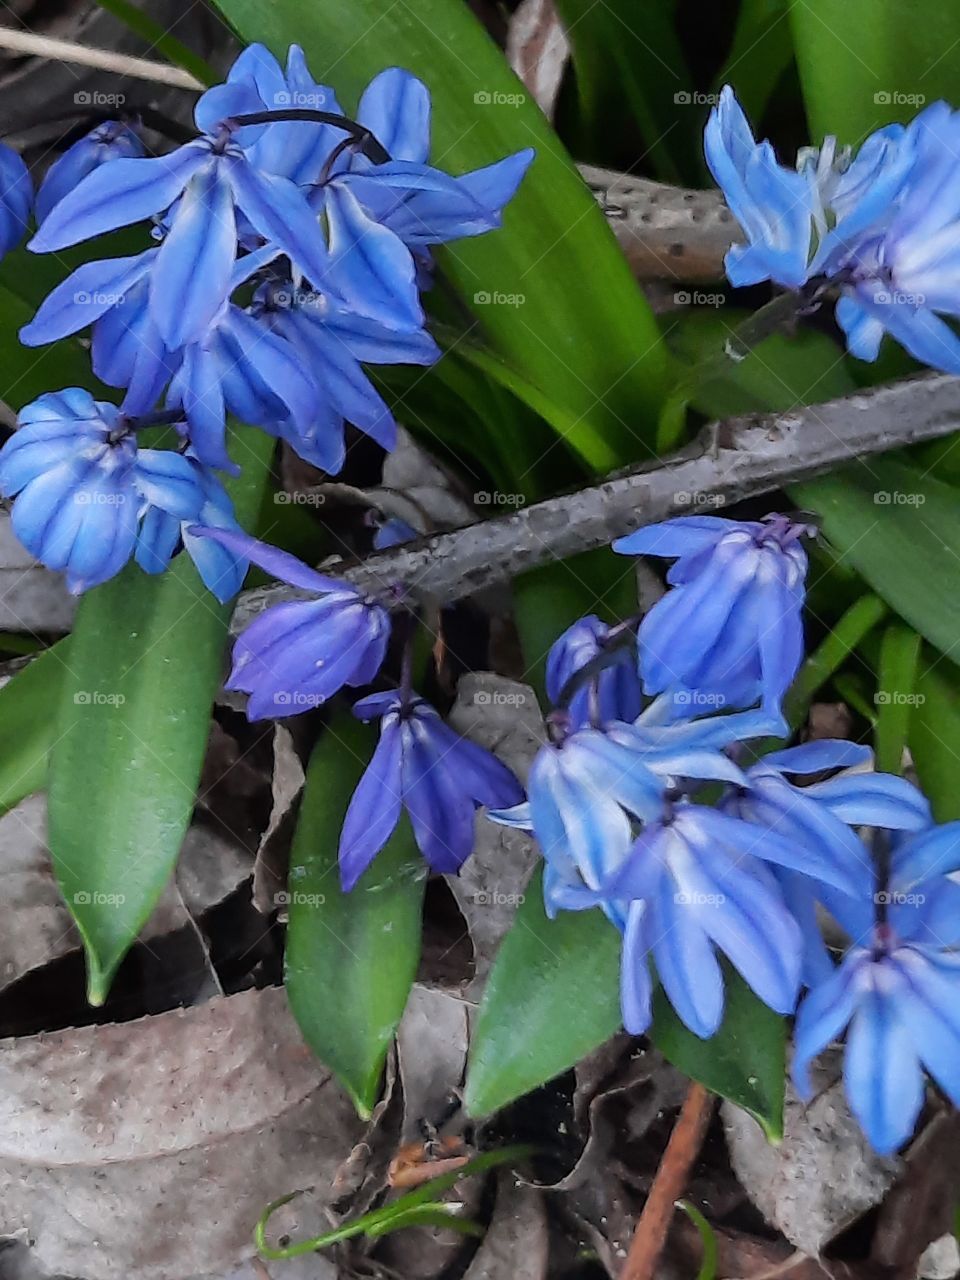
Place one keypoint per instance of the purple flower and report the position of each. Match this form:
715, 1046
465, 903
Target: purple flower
295, 656
16, 198
421, 765
731, 627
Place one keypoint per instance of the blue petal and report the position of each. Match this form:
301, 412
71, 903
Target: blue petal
157, 541
281, 214
686, 963
374, 809
395, 107
882, 1074
636, 986
191, 280
823, 1015
932, 853
875, 800
102, 145
117, 194
686, 535
442, 816
279, 564
168, 481
370, 267
197, 388
84, 296
816, 757
16, 198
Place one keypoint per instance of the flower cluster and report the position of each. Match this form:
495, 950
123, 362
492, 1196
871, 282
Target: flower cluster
879, 228
292, 245
692, 851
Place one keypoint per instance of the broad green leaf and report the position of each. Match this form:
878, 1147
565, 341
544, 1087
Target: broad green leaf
900, 529
781, 372
159, 38
899, 656
551, 998
830, 655
142, 667
866, 63
761, 52
351, 957
28, 706
934, 734
551, 289
744, 1061
629, 65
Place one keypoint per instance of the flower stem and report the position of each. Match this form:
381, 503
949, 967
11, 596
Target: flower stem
366, 141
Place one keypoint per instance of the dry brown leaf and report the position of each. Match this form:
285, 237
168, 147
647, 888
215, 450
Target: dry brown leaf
270, 866
538, 50
150, 1148
504, 717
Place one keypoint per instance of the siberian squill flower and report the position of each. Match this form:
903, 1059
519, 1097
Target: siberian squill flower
617, 696
84, 485
16, 198
112, 140
695, 882
421, 765
896, 992
731, 627
297, 655
588, 788
821, 816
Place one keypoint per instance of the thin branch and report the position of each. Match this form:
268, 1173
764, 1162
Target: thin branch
105, 59
669, 1185
740, 458
666, 233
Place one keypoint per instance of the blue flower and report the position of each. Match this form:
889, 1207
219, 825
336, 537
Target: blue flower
587, 787
199, 191
162, 534
820, 816
295, 656
83, 485
731, 628
421, 765
334, 343
774, 205
16, 198
112, 140
618, 692
695, 882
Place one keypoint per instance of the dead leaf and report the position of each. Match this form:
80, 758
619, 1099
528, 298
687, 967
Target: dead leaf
150, 1148
415, 487
503, 716
31, 597
432, 1042
823, 1175
516, 1245
270, 865
538, 50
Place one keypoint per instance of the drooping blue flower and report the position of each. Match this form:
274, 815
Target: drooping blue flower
296, 656
421, 204
695, 882
198, 191
821, 816
335, 343
221, 568
587, 788
16, 198
83, 485
731, 627
618, 691
112, 140
774, 205
421, 765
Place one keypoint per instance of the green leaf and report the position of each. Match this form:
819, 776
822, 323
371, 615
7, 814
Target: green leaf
827, 659
934, 735
143, 665
25, 372
900, 529
351, 957
899, 656
866, 63
761, 52
28, 705
744, 1061
632, 69
551, 290
552, 997
159, 38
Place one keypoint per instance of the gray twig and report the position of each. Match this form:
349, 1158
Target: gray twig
731, 460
